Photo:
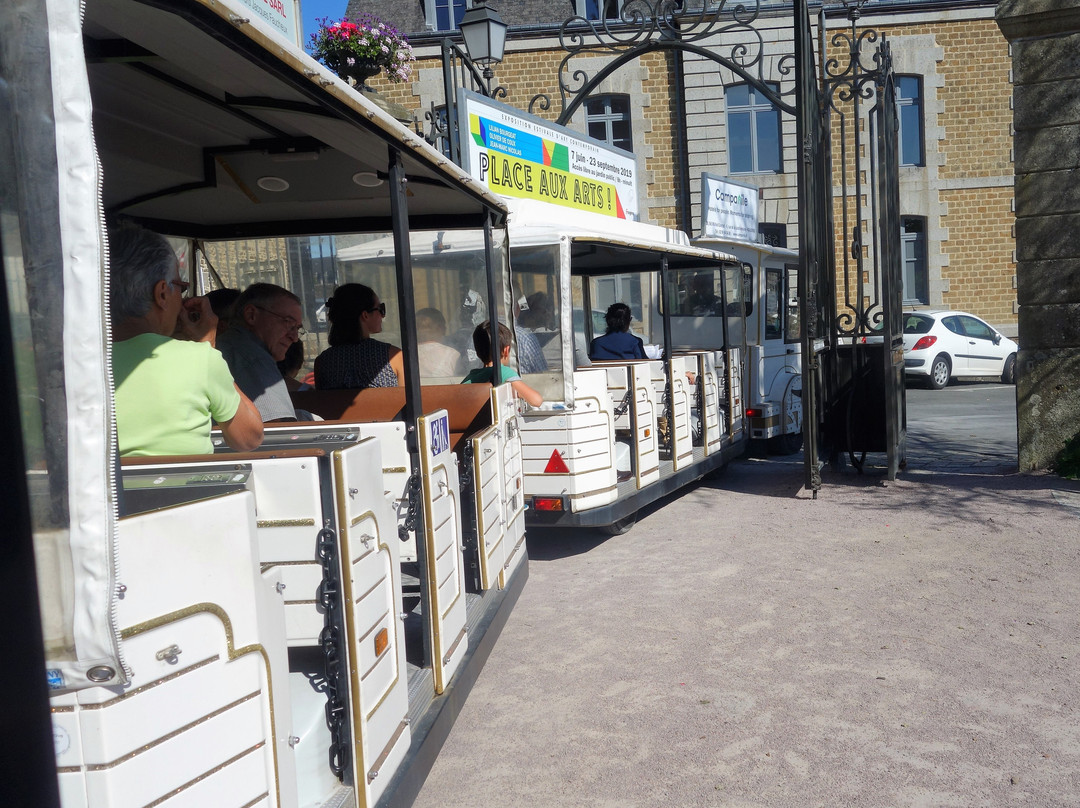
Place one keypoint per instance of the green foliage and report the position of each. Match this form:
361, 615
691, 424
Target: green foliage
1068, 461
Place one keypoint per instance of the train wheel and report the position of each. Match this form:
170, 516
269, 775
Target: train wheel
787, 444
621, 526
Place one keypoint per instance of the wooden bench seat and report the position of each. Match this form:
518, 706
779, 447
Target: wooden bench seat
468, 405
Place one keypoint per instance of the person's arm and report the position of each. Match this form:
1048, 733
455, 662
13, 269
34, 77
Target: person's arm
397, 364
244, 431
532, 397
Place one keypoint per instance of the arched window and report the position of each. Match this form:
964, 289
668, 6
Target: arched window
753, 131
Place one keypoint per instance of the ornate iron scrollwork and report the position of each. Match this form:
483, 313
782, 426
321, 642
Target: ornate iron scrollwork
645, 26
851, 83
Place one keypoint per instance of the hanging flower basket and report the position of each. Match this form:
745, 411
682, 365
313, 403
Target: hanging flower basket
359, 49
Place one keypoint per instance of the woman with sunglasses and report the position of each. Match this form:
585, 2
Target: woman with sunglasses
354, 359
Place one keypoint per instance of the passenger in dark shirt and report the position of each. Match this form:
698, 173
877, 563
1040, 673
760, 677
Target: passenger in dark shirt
617, 342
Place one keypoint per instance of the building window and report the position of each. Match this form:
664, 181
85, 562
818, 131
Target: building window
444, 15
607, 118
598, 9
753, 131
909, 113
913, 247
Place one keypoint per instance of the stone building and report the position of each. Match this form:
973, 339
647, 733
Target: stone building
682, 115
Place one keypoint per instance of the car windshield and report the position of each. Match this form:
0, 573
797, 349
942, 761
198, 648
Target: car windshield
917, 323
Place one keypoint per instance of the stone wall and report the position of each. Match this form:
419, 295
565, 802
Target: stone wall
1045, 39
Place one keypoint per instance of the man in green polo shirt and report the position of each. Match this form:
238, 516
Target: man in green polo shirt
170, 382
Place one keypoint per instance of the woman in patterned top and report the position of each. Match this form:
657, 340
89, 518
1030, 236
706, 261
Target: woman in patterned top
354, 359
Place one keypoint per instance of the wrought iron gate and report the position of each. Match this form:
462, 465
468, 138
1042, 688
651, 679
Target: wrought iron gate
851, 292
850, 283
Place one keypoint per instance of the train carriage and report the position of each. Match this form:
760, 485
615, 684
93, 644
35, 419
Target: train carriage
293, 626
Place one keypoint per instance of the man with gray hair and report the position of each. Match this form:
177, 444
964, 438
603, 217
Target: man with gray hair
266, 321
169, 380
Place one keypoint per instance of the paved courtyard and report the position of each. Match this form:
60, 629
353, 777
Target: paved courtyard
907, 643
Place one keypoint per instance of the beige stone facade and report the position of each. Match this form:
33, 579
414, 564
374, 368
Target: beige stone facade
961, 194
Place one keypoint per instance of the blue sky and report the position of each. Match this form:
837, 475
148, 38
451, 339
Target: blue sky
311, 10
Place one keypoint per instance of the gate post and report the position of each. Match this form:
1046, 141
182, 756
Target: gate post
1045, 38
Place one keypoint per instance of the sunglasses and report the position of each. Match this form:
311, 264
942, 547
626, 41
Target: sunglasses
181, 285
381, 308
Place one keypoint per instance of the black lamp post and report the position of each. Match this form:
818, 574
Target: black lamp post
485, 37
484, 33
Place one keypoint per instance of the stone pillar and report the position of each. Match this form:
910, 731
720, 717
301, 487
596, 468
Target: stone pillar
1045, 39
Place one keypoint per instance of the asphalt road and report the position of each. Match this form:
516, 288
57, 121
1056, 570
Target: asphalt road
902, 644
967, 426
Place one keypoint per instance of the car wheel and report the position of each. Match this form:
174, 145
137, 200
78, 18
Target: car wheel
1008, 375
939, 372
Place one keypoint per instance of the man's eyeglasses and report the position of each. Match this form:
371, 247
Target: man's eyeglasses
381, 308
290, 323
181, 285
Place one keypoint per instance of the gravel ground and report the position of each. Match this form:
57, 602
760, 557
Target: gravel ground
907, 643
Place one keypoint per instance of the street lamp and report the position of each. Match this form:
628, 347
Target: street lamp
485, 37
484, 33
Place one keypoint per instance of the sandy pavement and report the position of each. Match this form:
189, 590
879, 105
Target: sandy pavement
914, 643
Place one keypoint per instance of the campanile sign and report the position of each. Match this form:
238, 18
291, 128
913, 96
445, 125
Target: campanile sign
729, 210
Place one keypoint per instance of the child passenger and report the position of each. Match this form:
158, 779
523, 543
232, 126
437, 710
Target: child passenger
482, 344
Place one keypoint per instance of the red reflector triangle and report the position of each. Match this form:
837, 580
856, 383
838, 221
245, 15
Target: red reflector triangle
556, 465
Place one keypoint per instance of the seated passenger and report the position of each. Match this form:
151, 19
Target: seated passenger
222, 301
702, 300
266, 321
436, 358
354, 359
291, 365
170, 381
617, 342
482, 343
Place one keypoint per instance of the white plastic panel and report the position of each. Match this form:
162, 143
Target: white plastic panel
583, 437
441, 495
644, 411
504, 406
395, 474
371, 591
489, 506
206, 718
713, 430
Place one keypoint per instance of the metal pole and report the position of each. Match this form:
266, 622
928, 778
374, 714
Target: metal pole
450, 95
493, 303
399, 213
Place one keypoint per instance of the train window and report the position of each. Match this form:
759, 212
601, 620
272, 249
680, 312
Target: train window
774, 294
449, 287
538, 317
792, 320
698, 292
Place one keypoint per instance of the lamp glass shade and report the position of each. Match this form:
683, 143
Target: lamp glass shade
484, 33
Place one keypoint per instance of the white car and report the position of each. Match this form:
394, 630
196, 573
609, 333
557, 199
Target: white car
940, 345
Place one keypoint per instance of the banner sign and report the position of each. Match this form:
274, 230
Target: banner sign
519, 155
729, 210
279, 15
